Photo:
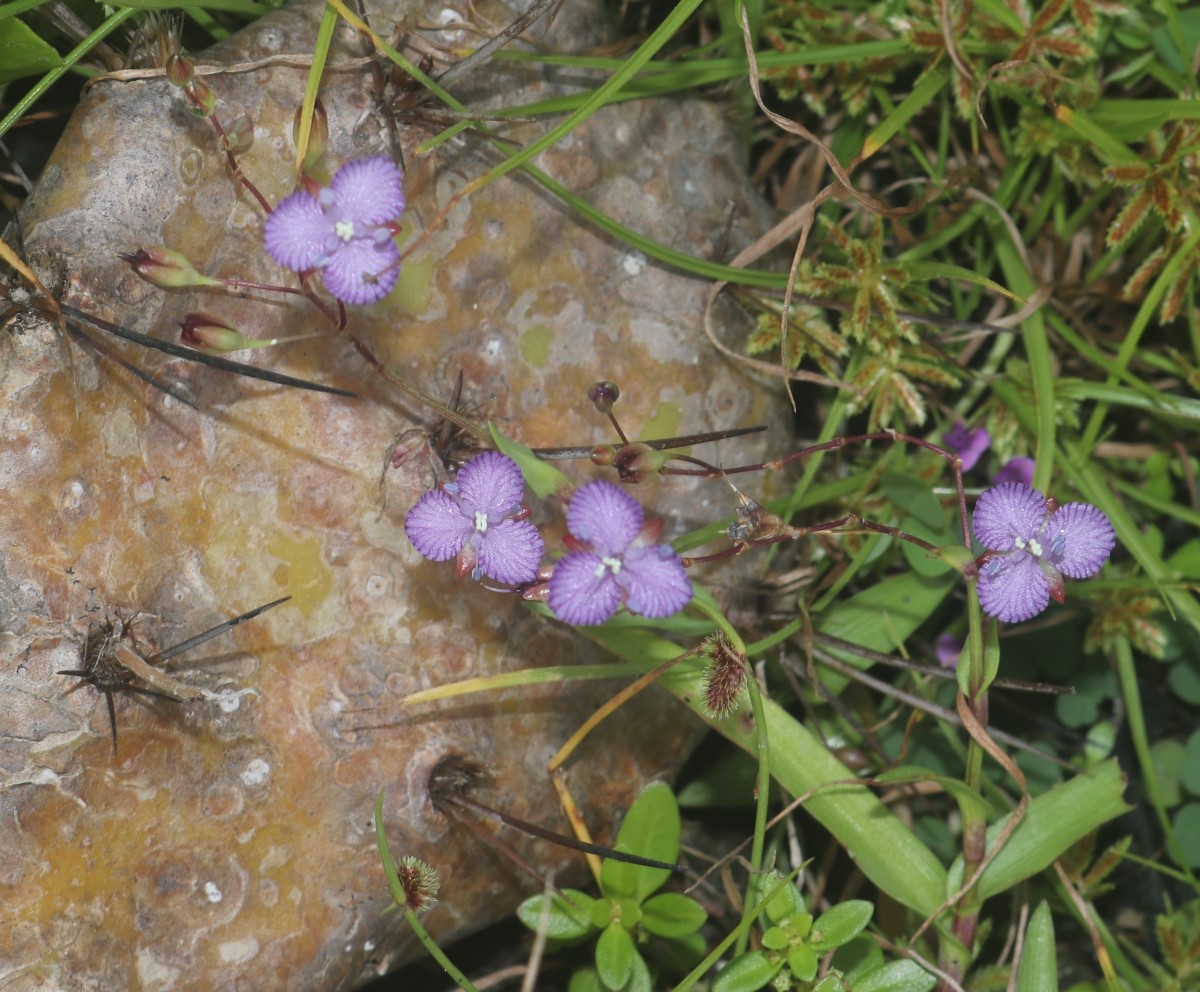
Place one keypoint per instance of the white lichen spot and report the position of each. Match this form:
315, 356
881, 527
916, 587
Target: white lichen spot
492, 347
212, 893
238, 951
633, 263
368, 946
256, 773
152, 973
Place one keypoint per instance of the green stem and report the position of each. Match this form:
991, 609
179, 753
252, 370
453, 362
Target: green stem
437, 953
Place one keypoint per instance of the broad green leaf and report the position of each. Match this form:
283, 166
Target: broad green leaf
747, 973
651, 829
670, 914
841, 924
1038, 971
564, 921
897, 976
786, 901
803, 962
1053, 822
22, 52
614, 956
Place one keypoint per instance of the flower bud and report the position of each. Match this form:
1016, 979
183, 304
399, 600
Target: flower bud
165, 268
207, 333
604, 395
637, 462
202, 98
239, 133
180, 70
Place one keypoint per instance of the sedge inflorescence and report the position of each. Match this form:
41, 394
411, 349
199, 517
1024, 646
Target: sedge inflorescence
613, 558
345, 230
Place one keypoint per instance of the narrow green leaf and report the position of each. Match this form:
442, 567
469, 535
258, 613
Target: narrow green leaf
1038, 971
541, 476
928, 87
923, 271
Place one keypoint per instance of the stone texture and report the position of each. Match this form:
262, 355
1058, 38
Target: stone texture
234, 849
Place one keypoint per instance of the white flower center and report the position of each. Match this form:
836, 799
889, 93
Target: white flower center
1033, 546
344, 229
608, 565
481, 522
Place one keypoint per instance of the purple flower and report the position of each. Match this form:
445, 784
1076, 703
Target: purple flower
947, 649
343, 230
968, 443
480, 520
611, 562
1019, 469
1032, 546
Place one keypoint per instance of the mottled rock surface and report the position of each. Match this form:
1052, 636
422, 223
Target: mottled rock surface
232, 847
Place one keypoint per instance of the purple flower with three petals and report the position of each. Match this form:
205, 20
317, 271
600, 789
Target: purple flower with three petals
967, 442
1031, 546
479, 519
611, 561
344, 230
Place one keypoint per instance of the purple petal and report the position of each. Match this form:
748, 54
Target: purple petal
947, 649
968, 443
582, 590
1019, 469
1013, 588
437, 527
1008, 512
511, 552
491, 483
655, 581
606, 516
1078, 540
368, 191
362, 271
296, 231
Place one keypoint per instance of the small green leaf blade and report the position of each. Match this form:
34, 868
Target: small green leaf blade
22, 52
652, 830
1038, 971
747, 973
897, 976
614, 956
564, 921
842, 923
672, 915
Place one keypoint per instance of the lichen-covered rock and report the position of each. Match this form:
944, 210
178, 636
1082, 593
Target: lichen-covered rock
231, 846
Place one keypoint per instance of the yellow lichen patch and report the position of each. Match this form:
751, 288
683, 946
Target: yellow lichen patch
664, 423
304, 572
535, 344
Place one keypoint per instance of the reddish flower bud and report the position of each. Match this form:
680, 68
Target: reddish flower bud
239, 133
636, 462
604, 395
207, 333
166, 268
179, 70
202, 98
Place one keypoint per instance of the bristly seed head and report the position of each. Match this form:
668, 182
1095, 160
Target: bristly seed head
724, 678
420, 883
